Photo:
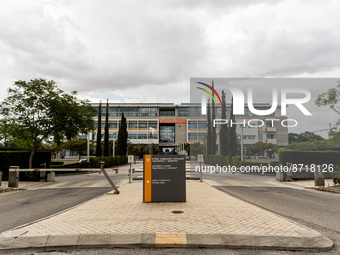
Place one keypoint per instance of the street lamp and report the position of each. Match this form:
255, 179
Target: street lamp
88, 146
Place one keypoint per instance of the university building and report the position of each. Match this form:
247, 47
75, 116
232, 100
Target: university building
170, 125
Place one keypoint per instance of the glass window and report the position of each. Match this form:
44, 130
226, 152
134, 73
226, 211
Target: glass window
113, 111
260, 137
96, 125
132, 125
193, 111
152, 124
192, 136
142, 125
184, 111
148, 111
201, 136
202, 125
251, 137
132, 136
167, 134
270, 136
167, 113
129, 111
192, 125
112, 125
244, 137
142, 136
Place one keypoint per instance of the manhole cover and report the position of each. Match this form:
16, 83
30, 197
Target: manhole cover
177, 212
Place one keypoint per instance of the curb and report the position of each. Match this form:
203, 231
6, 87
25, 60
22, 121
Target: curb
328, 189
165, 240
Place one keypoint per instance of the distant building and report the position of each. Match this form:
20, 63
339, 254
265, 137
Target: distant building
170, 126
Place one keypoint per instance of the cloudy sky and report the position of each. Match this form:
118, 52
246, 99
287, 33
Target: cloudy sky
147, 51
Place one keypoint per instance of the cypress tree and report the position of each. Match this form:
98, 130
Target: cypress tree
232, 138
209, 129
99, 132
213, 129
122, 137
106, 138
224, 128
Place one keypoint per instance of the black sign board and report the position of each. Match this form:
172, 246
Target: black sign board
164, 178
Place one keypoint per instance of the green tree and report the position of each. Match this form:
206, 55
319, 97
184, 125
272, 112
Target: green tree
304, 137
209, 133
122, 137
330, 98
232, 137
77, 145
224, 128
99, 132
213, 129
41, 111
106, 137
261, 147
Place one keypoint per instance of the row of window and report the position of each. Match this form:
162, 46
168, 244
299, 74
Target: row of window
201, 136
182, 111
131, 125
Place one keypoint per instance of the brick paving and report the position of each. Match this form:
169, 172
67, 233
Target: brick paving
207, 211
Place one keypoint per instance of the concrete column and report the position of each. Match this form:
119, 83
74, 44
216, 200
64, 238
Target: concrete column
319, 178
13, 177
279, 176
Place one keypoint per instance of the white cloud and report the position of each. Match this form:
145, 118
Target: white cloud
146, 51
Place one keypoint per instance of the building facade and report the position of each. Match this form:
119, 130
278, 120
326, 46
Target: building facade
170, 126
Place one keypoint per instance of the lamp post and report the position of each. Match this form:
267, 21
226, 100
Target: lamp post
241, 143
88, 146
113, 145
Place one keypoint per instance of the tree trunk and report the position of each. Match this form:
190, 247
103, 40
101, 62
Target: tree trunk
30, 164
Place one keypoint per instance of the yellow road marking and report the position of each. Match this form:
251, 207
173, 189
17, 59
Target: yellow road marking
171, 240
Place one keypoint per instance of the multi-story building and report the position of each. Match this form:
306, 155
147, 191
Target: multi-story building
170, 125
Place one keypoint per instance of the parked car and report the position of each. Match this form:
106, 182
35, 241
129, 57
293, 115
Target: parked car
83, 161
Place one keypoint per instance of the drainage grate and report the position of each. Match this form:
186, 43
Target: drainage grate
177, 212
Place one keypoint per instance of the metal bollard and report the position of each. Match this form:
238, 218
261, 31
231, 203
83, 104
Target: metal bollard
13, 177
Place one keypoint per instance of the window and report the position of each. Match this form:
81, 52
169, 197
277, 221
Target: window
142, 136
192, 136
184, 111
132, 136
201, 136
129, 111
192, 125
260, 137
269, 136
269, 124
152, 124
148, 111
82, 137
142, 125
167, 113
202, 125
244, 137
112, 125
167, 134
251, 137
96, 125
132, 125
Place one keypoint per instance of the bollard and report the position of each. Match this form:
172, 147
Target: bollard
319, 178
0, 178
13, 177
279, 176
50, 177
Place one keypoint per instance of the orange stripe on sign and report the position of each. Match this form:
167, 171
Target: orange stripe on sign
147, 179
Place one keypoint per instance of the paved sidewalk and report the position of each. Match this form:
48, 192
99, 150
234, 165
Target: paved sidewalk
210, 218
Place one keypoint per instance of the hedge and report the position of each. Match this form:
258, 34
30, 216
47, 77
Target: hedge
309, 157
21, 159
222, 160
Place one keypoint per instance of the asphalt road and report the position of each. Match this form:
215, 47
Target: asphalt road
21, 207
314, 209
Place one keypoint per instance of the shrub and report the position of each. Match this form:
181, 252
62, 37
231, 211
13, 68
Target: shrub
21, 158
309, 157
